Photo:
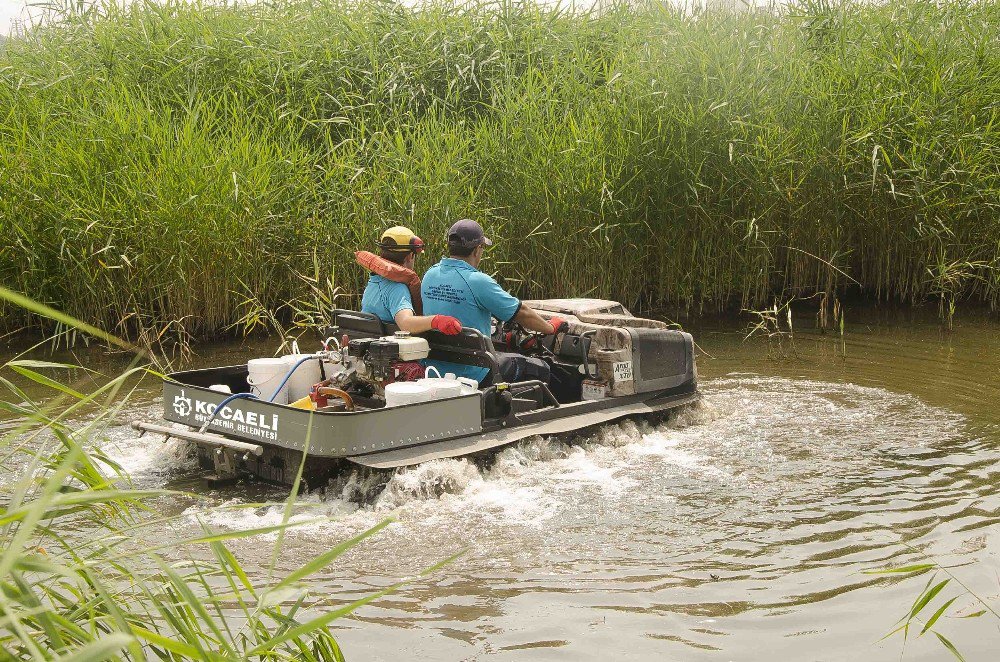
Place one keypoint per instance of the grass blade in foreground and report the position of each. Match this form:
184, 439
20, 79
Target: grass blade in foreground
132, 603
927, 596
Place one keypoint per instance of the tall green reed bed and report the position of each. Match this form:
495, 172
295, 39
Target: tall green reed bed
162, 164
89, 568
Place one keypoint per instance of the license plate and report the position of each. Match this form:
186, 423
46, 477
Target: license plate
594, 389
623, 371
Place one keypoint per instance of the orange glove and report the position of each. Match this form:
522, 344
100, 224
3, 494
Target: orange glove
449, 326
558, 325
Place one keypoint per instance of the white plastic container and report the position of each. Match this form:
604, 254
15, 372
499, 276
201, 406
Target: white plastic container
304, 377
264, 376
410, 348
407, 393
441, 387
469, 385
448, 386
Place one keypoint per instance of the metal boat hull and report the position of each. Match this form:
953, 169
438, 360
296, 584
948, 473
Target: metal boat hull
630, 367
268, 440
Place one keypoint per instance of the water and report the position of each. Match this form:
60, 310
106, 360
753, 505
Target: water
739, 530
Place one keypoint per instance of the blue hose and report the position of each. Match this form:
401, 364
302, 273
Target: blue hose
251, 396
289, 375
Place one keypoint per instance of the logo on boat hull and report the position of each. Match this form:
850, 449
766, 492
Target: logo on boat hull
231, 419
182, 404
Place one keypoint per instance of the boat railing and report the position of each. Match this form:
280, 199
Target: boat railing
520, 388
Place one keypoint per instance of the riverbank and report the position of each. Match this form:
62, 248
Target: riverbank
180, 170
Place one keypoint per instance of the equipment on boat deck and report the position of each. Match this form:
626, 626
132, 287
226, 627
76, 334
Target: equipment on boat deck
365, 398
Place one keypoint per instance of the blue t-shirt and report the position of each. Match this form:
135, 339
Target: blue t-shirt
385, 298
454, 287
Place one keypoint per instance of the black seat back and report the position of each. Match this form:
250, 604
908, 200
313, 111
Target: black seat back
357, 324
469, 347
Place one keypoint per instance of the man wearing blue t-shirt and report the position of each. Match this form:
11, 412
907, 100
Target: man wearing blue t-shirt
391, 300
455, 287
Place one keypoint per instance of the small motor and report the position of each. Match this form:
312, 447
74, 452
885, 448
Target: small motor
381, 356
359, 347
410, 348
389, 359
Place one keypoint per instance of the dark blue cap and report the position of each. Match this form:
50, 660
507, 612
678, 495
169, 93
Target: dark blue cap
467, 234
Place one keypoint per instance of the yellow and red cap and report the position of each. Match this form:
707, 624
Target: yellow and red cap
400, 239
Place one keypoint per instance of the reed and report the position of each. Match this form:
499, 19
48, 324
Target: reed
91, 568
933, 603
158, 162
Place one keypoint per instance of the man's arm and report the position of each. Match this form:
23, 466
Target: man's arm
532, 321
506, 307
407, 321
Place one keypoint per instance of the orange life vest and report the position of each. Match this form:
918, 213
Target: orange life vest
397, 273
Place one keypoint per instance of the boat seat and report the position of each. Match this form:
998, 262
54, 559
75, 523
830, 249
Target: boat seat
470, 347
360, 325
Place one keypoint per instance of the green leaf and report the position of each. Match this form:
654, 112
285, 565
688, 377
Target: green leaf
927, 597
17, 410
324, 559
21, 395
933, 619
227, 560
950, 646
39, 378
922, 567
322, 621
189, 601
64, 502
42, 564
975, 614
28, 363
101, 649
44, 617
319, 622
114, 609
248, 533
904, 625
45, 311
906, 618
219, 537
171, 645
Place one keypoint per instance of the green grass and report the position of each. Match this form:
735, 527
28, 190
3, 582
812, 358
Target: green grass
160, 163
91, 568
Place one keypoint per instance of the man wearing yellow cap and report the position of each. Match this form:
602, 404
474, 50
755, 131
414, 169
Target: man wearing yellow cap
387, 294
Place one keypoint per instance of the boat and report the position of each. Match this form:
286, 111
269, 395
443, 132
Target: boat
373, 406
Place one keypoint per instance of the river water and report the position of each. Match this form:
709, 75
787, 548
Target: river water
739, 530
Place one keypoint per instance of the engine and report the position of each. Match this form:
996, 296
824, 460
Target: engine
376, 363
